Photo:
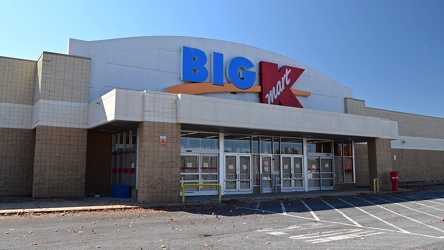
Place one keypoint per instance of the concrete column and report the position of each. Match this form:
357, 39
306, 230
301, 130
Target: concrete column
380, 162
159, 165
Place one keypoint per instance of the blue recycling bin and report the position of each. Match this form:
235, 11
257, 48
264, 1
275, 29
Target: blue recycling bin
121, 191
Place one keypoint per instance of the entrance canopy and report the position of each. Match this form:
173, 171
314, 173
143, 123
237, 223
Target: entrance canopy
228, 116
201, 113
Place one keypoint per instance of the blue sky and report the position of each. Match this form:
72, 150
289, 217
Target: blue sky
391, 53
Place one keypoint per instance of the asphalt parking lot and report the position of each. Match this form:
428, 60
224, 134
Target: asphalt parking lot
408, 220
402, 221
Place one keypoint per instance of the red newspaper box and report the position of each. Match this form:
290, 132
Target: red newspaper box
394, 179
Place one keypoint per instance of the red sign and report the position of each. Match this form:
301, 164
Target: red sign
276, 84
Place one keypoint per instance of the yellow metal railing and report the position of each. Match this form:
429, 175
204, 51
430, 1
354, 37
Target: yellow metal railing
219, 190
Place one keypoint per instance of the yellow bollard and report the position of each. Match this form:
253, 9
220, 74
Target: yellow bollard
375, 185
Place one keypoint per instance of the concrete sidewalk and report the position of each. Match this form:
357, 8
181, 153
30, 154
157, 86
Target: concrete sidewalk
20, 205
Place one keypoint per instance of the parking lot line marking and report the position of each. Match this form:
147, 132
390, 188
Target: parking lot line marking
391, 211
418, 203
311, 211
338, 223
284, 211
434, 202
376, 217
404, 206
276, 233
257, 205
343, 214
341, 234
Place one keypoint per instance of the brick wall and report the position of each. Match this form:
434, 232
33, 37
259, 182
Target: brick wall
412, 164
59, 162
16, 135
159, 166
16, 161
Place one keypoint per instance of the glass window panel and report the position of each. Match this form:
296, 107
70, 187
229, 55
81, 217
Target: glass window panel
318, 146
348, 169
339, 172
277, 168
255, 144
291, 146
327, 182
207, 188
210, 143
237, 143
244, 167
209, 164
199, 140
313, 183
189, 164
348, 149
276, 148
338, 149
266, 145
245, 185
326, 147
286, 167
209, 177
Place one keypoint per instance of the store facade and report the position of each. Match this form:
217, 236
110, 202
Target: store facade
154, 113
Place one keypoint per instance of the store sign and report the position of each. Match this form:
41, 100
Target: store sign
275, 83
194, 70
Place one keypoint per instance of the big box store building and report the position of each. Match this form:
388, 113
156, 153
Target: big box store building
152, 113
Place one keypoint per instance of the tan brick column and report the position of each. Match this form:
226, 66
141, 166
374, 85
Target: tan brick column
380, 162
59, 162
159, 166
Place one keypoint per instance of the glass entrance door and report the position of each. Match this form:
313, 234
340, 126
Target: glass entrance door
292, 173
266, 173
237, 174
320, 173
326, 173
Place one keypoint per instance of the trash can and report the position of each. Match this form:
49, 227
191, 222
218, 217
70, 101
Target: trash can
121, 191
394, 179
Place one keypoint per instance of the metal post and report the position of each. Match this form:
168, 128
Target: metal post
375, 185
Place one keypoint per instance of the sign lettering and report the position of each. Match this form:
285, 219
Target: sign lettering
276, 84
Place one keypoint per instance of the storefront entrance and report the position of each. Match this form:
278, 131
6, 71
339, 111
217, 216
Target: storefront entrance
199, 169
292, 173
237, 176
320, 172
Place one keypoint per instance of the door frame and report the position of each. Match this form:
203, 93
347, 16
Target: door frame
320, 157
263, 179
238, 179
293, 179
